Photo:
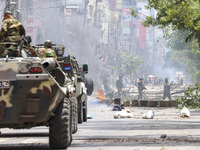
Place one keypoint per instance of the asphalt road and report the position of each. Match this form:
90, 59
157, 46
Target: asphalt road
103, 132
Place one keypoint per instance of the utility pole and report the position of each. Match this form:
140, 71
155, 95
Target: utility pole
96, 12
13, 6
17, 10
7, 6
85, 13
95, 15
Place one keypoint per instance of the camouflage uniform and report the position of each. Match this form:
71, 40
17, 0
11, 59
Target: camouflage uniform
11, 31
42, 52
31, 50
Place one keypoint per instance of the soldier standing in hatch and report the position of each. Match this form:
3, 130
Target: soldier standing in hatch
166, 89
141, 87
11, 31
47, 47
119, 85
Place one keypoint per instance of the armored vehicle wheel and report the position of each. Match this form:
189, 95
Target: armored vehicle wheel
80, 110
74, 115
89, 86
60, 135
85, 111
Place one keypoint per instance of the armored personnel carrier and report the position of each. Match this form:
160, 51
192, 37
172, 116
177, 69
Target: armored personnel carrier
72, 70
36, 92
83, 86
89, 85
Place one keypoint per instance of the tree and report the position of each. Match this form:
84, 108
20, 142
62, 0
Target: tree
129, 64
184, 56
176, 15
192, 97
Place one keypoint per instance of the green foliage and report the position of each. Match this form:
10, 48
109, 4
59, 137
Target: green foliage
191, 99
183, 56
178, 14
129, 64
133, 12
176, 41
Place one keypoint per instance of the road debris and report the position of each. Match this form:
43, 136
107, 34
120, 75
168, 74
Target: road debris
163, 136
117, 107
149, 115
89, 117
125, 113
185, 112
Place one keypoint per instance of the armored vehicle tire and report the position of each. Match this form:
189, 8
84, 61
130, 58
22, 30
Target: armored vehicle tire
74, 115
60, 135
80, 110
89, 86
85, 111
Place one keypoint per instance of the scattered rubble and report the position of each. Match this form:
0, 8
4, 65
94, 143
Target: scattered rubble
89, 117
163, 136
125, 113
185, 112
149, 115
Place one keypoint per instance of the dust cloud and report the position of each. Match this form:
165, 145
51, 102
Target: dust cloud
79, 41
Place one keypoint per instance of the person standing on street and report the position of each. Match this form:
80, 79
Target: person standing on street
141, 87
119, 85
167, 89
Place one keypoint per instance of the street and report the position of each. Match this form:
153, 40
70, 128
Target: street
104, 132
62, 61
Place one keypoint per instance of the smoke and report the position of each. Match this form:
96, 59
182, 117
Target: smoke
169, 72
79, 41
83, 48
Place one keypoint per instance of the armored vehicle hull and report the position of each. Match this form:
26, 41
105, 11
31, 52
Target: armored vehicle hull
36, 92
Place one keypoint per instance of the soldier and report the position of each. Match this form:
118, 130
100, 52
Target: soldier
119, 85
10, 35
166, 89
47, 47
50, 54
27, 46
141, 87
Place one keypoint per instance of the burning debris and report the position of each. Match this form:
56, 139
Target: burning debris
104, 98
101, 98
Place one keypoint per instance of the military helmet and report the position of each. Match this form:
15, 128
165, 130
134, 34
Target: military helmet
49, 54
28, 38
48, 43
140, 79
8, 12
166, 79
